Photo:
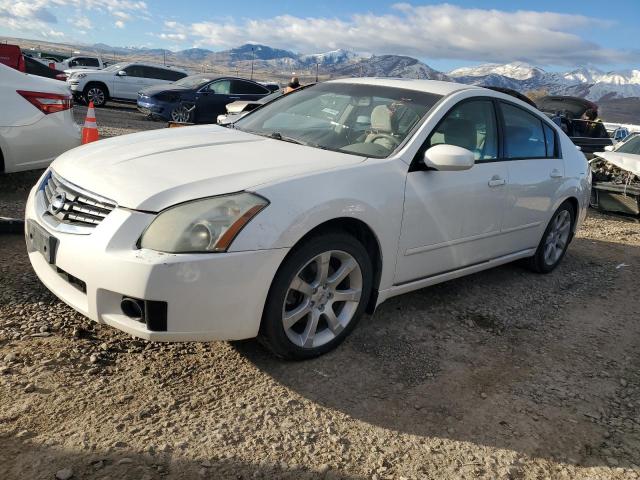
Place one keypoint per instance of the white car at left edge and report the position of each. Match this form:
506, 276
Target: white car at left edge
36, 121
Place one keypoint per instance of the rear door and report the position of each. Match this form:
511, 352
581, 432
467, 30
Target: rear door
248, 90
536, 173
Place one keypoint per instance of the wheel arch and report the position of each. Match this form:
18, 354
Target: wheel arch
361, 231
98, 83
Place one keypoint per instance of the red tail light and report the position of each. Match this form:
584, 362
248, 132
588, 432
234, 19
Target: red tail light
48, 102
52, 65
61, 76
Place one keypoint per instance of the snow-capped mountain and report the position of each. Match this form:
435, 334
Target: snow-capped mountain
388, 66
333, 57
587, 82
516, 71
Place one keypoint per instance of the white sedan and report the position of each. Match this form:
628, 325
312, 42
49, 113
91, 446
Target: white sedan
310, 211
36, 121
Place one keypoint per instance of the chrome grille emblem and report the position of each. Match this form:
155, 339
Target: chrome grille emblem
57, 203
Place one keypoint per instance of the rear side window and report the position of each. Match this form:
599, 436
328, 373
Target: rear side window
173, 75
524, 134
470, 125
550, 141
247, 88
87, 62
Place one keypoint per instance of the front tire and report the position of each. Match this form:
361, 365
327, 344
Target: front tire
317, 297
96, 93
555, 240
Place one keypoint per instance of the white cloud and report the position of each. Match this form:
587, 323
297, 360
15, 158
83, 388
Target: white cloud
81, 22
122, 15
434, 31
36, 17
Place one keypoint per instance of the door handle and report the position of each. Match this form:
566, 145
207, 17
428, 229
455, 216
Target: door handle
555, 173
496, 181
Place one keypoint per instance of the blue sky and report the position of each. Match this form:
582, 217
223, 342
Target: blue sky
552, 34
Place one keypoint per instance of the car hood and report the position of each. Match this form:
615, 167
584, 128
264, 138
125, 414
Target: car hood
153, 170
238, 106
150, 91
625, 161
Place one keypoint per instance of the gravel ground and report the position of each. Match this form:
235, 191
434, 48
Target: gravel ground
504, 374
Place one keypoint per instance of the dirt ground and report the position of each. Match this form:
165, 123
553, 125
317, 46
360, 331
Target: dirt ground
500, 375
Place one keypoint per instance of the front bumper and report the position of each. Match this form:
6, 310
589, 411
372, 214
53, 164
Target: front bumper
208, 296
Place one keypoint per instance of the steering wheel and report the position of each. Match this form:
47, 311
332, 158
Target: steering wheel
376, 136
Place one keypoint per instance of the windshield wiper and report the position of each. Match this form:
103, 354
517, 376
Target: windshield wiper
279, 136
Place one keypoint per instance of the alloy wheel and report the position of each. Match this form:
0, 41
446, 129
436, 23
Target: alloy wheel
181, 114
557, 238
96, 95
322, 299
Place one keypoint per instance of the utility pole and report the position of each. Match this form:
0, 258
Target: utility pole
317, 66
253, 56
164, 57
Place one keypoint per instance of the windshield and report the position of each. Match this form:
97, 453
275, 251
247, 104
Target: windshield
193, 81
114, 67
630, 146
366, 120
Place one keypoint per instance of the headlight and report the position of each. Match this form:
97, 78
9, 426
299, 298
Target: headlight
80, 75
208, 225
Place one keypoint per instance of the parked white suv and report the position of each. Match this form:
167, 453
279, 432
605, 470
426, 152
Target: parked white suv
121, 81
307, 212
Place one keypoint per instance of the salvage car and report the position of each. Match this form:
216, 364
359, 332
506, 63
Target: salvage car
616, 177
294, 222
36, 123
197, 98
238, 109
567, 112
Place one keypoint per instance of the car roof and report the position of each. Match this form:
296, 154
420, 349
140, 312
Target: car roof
155, 65
429, 86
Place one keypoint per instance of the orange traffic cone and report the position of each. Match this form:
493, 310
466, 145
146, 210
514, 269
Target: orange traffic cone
90, 129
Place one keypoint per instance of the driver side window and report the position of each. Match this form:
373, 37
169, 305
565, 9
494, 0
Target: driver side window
470, 125
223, 87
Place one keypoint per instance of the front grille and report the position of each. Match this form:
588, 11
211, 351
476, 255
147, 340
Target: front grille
68, 204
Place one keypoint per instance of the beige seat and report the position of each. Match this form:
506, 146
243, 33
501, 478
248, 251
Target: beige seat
382, 128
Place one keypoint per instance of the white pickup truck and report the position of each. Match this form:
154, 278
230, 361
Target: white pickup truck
85, 62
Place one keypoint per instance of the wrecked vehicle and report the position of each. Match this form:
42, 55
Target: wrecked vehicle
616, 178
567, 113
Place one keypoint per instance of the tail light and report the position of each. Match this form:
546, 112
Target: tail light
61, 76
52, 65
48, 102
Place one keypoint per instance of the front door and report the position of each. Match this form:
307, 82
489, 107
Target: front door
454, 219
212, 100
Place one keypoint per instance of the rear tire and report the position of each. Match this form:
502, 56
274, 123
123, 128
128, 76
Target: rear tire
317, 297
555, 241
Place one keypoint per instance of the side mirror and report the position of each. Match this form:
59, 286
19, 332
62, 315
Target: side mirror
608, 148
121, 73
448, 158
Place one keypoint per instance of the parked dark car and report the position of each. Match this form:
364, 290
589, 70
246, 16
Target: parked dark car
567, 112
34, 67
197, 98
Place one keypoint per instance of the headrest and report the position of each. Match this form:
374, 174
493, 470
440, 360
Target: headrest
460, 132
381, 119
